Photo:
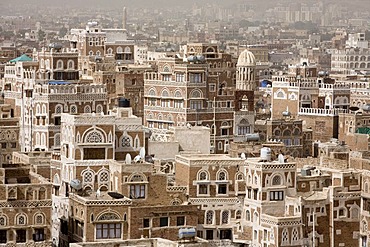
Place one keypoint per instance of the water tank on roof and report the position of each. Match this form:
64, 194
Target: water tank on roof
366, 107
252, 137
265, 154
123, 102
192, 58
187, 233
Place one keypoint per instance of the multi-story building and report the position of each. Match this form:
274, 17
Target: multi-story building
215, 183
350, 61
9, 134
202, 91
26, 207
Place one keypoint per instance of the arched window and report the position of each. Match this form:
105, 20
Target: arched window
43, 109
126, 141
60, 64
152, 92
37, 138
165, 93
209, 217
364, 226
277, 132
285, 237
255, 216
296, 132
225, 217
238, 214
247, 215
88, 177
119, 50
366, 187
196, 94
71, 64
103, 176
94, 137
239, 176
58, 109
38, 109
166, 69
73, 109
178, 94
203, 175
43, 139
21, 219
38, 219
287, 132
110, 51
3, 220
295, 235
276, 180
99, 108
137, 186
87, 109
42, 193
222, 175
355, 213
127, 49
243, 127
57, 140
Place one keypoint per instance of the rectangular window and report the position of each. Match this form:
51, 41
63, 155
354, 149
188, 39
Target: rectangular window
166, 77
195, 78
108, 231
137, 191
276, 195
209, 234
180, 221
178, 103
180, 77
152, 102
242, 130
225, 132
145, 223
222, 189
13, 145
39, 235
196, 104
163, 222
21, 236
203, 189
3, 236
212, 87
3, 145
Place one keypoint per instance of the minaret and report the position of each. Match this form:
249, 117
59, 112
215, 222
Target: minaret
124, 18
246, 74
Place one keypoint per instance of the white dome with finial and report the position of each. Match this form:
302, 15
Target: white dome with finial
246, 59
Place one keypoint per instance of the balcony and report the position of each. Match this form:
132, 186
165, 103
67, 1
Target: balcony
320, 111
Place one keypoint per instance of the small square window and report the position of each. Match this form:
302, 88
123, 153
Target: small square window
163, 221
145, 223
180, 220
222, 189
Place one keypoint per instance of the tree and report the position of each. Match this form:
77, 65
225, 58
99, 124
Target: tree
41, 35
63, 31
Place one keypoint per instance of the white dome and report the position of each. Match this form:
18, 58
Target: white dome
246, 58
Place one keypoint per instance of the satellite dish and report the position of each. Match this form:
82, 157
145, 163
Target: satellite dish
115, 195
142, 153
281, 158
75, 184
243, 156
128, 158
354, 108
137, 158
